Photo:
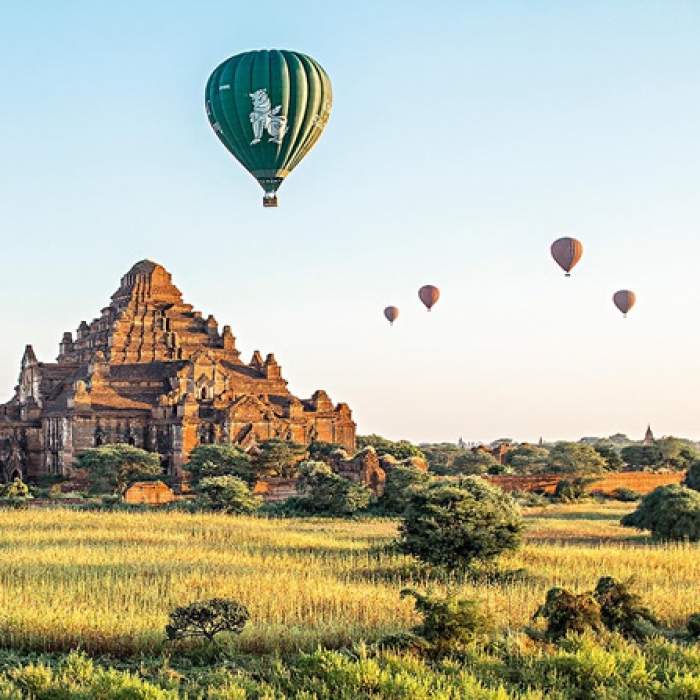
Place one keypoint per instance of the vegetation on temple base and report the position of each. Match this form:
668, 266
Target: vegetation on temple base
220, 460
114, 467
329, 494
226, 494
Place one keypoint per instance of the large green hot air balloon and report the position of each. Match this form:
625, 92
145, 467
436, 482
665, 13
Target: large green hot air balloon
269, 108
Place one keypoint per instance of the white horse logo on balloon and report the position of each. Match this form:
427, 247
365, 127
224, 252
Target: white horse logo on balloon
264, 118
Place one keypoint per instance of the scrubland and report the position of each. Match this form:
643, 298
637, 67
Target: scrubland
105, 582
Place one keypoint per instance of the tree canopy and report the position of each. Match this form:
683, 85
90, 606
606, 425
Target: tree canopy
220, 460
227, 494
452, 524
670, 512
279, 457
575, 458
402, 449
114, 467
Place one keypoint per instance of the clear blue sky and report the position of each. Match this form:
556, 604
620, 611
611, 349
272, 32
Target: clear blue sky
465, 136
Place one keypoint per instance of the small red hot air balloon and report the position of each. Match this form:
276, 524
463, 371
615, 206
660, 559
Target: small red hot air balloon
391, 313
566, 253
429, 295
624, 300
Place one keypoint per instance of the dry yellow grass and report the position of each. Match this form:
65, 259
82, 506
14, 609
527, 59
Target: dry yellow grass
106, 581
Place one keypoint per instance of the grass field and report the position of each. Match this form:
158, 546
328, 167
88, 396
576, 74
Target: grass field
105, 582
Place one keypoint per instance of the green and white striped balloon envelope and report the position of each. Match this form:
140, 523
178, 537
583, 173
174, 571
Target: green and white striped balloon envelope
269, 108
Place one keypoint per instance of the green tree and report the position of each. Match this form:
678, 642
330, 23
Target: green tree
670, 512
402, 449
279, 457
400, 483
329, 493
220, 460
527, 459
473, 462
207, 618
692, 476
440, 456
613, 460
453, 524
226, 494
320, 451
114, 467
637, 456
676, 454
575, 458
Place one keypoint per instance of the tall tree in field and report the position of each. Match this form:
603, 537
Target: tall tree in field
452, 524
114, 467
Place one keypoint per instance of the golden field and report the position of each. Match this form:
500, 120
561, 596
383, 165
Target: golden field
105, 582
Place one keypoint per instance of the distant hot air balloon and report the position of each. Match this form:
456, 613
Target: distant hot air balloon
429, 295
269, 108
391, 313
624, 300
567, 252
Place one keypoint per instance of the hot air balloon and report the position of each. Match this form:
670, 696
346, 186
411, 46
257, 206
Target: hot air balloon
269, 108
391, 313
429, 295
567, 252
624, 300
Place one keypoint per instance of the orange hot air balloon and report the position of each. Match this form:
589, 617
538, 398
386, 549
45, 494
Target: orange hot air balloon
566, 253
429, 295
391, 313
624, 300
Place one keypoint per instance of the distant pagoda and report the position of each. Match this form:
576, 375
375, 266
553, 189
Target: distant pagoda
648, 437
153, 373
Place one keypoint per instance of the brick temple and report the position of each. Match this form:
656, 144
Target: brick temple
152, 372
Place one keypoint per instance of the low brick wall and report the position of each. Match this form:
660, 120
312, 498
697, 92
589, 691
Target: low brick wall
641, 482
276, 489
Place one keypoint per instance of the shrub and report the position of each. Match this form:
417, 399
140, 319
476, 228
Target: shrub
625, 495
566, 612
623, 611
448, 622
226, 494
693, 626
207, 618
400, 482
670, 512
15, 494
611, 606
570, 490
453, 524
328, 493
692, 476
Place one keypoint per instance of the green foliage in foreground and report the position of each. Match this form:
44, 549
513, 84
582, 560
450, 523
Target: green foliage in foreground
509, 668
